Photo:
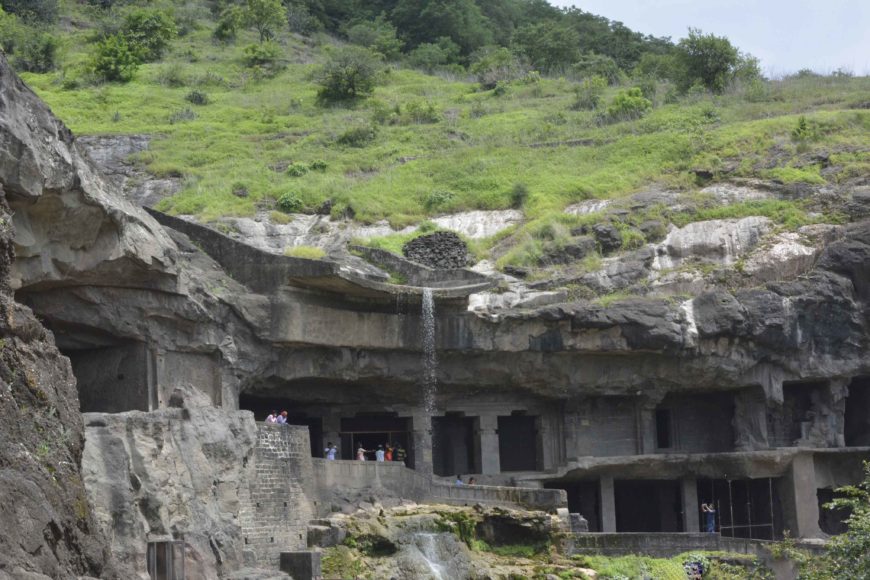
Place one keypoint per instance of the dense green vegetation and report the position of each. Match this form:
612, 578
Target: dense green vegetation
492, 104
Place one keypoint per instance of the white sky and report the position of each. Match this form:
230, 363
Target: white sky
786, 35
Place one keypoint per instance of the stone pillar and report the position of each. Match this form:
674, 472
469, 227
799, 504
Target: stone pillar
804, 505
422, 437
646, 422
689, 494
608, 504
486, 444
332, 432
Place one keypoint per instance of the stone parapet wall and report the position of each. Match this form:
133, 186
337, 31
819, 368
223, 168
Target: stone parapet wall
666, 545
547, 500
384, 479
275, 516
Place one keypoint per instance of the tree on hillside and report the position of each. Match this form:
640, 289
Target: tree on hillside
706, 59
148, 32
40, 10
351, 72
378, 35
422, 21
549, 46
267, 16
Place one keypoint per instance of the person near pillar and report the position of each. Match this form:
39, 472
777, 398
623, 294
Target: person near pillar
388, 454
273, 417
330, 451
400, 455
709, 517
379, 453
282, 418
459, 480
361, 453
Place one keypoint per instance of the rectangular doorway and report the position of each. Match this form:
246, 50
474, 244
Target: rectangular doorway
369, 431
648, 506
453, 446
518, 443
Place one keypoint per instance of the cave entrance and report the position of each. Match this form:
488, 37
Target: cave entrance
648, 506
453, 445
165, 560
518, 442
857, 419
831, 521
114, 378
745, 508
369, 431
584, 498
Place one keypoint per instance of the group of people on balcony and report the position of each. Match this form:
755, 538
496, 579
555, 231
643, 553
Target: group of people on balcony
277, 418
387, 452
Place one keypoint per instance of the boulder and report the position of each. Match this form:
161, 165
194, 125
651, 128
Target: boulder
441, 251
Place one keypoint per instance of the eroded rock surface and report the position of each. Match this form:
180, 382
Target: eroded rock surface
177, 473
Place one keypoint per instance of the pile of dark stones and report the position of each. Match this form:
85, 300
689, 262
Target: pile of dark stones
441, 251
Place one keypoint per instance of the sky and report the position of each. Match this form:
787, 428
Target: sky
787, 35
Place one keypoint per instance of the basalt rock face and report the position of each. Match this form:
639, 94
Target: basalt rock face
47, 528
171, 474
70, 227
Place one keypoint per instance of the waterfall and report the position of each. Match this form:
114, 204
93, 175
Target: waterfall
428, 547
430, 363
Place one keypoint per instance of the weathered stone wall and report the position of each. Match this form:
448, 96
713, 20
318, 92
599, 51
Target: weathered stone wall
340, 483
275, 515
171, 474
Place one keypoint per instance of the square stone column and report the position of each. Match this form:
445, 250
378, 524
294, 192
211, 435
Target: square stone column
691, 508
332, 432
608, 504
422, 436
803, 504
486, 444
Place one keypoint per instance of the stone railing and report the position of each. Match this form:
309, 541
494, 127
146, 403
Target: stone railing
532, 498
399, 481
666, 545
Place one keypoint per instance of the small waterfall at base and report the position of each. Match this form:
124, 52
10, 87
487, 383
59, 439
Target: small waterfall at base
428, 546
430, 362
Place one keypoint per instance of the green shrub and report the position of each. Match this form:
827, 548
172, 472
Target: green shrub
231, 20
496, 65
148, 32
172, 75
378, 35
36, 53
196, 97
628, 104
307, 252
38, 10
519, 195
597, 65
318, 165
350, 73
114, 60
589, 93
430, 56
438, 199
290, 203
297, 170
358, 136
421, 112
803, 131
266, 53
182, 116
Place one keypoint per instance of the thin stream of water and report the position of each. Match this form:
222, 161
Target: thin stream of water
430, 362
429, 550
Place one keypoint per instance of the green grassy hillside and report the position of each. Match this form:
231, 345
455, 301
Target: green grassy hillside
428, 144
